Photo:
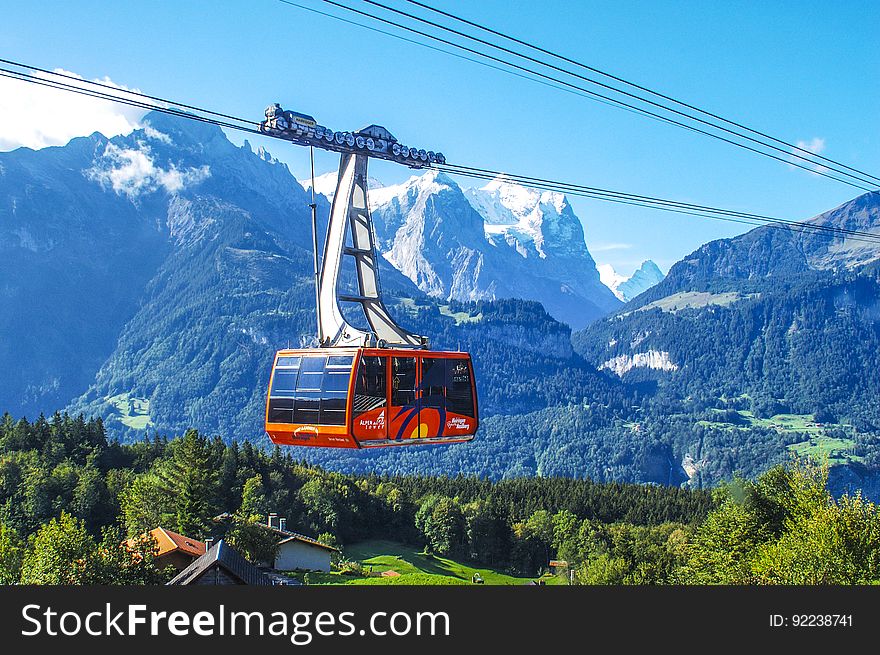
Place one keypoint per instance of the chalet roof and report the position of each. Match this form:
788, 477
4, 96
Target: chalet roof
287, 537
169, 542
223, 555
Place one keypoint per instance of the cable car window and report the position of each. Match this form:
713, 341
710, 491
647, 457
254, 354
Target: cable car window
371, 390
281, 396
459, 392
333, 411
306, 408
281, 410
336, 381
403, 380
334, 394
310, 390
336, 360
434, 382
311, 372
284, 383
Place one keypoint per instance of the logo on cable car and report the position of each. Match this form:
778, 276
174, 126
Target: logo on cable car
460, 373
377, 423
456, 423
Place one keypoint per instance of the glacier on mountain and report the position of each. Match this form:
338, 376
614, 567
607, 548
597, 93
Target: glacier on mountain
499, 241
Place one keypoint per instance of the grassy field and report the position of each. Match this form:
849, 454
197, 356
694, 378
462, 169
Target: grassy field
412, 307
813, 440
414, 567
460, 317
135, 412
693, 300
836, 451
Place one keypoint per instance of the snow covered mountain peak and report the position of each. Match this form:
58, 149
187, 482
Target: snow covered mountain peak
429, 182
627, 288
518, 201
502, 202
537, 222
501, 241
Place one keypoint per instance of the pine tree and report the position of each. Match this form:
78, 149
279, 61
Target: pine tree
191, 484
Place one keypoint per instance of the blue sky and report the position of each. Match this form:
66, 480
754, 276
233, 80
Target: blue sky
803, 71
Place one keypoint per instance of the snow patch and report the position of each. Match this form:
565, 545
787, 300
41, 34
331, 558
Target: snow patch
428, 184
611, 278
266, 156
528, 219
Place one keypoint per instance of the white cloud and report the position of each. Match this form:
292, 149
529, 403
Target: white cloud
816, 145
152, 133
604, 247
133, 171
38, 116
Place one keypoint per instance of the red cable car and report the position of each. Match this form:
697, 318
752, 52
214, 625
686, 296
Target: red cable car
364, 388
371, 397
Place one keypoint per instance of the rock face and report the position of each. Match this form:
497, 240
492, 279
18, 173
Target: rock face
863, 214
428, 231
652, 359
627, 288
501, 241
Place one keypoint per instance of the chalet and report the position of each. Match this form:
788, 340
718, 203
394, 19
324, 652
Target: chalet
221, 565
174, 549
297, 551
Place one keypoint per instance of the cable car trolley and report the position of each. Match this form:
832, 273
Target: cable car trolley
362, 388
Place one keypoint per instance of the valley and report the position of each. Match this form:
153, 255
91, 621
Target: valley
173, 299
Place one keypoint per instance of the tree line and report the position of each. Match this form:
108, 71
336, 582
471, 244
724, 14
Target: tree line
69, 498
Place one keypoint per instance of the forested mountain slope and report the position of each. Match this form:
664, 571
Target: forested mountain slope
773, 330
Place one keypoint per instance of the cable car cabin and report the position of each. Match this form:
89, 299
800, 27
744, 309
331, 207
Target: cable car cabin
370, 398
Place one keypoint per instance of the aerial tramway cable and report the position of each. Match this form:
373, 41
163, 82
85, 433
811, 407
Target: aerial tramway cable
648, 201
458, 55
137, 99
634, 85
815, 168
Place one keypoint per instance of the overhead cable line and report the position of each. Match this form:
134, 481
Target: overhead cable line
61, 86
473, 60
565, 186
859, 183
607, 87
165, 104
134, 98
638, 86
660, 204
112, 87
